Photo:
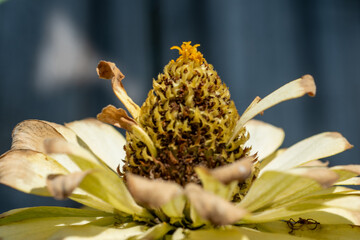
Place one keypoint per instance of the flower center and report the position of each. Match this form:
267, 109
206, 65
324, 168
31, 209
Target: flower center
190, 118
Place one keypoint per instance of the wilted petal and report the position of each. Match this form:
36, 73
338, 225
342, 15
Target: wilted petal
103, 140
211, 207
61, 186
313, 148
264, 138
30, 134
152, 193
27, 170
294, 89
237, 171
108, 70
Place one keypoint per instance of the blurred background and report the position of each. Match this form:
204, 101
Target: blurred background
49, 50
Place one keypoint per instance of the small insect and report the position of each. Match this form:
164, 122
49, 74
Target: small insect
310, 224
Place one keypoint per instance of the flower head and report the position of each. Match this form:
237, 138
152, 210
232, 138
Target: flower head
193, 168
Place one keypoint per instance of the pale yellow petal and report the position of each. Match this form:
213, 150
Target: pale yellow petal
21, 214
211, 184
27, 171
346, 171
350, 181
313, 148
294, 89
275, 188
241, 233
103, 140
268, 159
314, 231
108, 186
155, 232
264, 138
40, 228
304, 206
334, 216
97, 233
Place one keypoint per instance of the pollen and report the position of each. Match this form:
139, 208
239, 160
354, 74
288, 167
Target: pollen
189, 53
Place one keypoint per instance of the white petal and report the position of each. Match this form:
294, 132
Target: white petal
316, 147
264, 138
103, 140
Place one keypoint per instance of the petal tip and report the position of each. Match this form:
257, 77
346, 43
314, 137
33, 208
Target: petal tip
308, 84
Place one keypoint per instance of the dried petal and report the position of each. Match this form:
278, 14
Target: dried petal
152, 193
211, 207
117, 117
237, 171
61, 186
108, 70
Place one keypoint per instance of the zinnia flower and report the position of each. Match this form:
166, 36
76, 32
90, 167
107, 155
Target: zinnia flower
190, 168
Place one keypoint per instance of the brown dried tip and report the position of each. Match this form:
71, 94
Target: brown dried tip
117, 117
309, 85
61, 186
152, 193
213, 208
236, 171
108, 70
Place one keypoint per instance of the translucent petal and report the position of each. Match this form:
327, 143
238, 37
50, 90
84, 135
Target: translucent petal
102, 139
264, 138
27, 171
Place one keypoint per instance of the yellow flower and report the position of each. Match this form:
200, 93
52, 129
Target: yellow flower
236, 185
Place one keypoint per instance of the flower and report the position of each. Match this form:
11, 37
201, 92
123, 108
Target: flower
192, 168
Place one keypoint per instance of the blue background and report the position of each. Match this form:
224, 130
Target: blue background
49, 51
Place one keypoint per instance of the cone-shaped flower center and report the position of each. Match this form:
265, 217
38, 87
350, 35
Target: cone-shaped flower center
190, 118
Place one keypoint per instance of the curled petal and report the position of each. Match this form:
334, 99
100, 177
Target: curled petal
237, 171
152, 193
61, 186
119, 118
108, 70
211, 207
